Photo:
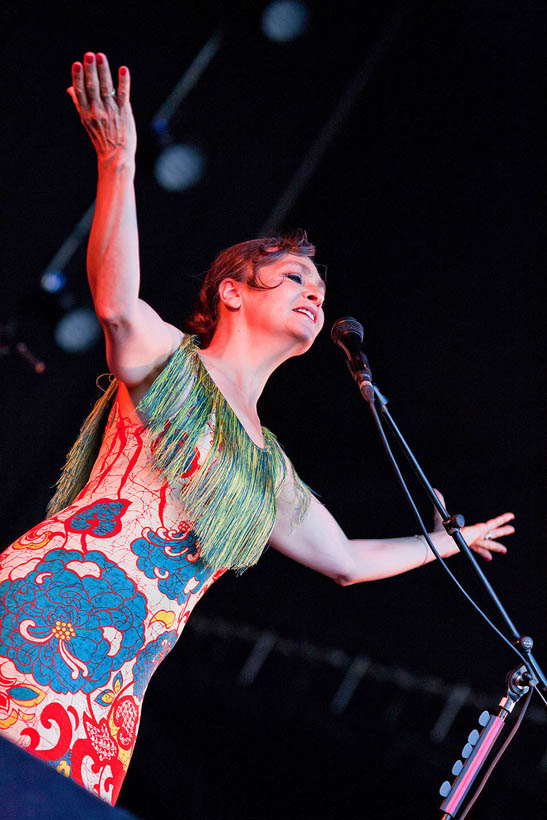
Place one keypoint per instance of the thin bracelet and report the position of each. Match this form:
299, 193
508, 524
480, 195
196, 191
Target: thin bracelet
422, 537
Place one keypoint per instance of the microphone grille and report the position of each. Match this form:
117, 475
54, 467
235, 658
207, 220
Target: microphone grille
346, 325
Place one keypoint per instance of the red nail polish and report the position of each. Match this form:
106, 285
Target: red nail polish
89, 58
123, 71
77, 68
100, 59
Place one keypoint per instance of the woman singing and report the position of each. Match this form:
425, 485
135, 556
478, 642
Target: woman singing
172, 481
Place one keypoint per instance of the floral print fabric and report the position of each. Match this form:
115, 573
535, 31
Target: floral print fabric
91, 601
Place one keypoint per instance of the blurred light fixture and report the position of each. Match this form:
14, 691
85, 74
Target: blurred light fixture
78, 330
53, 281
179, 166
285, 20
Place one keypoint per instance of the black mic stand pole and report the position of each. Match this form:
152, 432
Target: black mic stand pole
348, 334
519, 681
451, 523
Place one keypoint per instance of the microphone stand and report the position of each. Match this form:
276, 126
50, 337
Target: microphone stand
519, 680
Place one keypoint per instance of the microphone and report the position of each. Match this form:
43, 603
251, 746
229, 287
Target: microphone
347, 333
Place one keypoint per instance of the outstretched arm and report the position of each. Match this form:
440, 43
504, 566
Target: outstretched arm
320, 543
138, 341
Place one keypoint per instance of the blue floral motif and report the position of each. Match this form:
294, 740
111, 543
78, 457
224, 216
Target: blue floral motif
101, 519
149, 659
54, 618
172, 562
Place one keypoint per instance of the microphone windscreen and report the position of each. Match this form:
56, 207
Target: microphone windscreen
344, 326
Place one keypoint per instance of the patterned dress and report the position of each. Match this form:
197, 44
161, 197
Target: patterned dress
91, 600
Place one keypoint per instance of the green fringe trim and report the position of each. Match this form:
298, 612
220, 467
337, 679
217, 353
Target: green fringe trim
231, 500
82, 455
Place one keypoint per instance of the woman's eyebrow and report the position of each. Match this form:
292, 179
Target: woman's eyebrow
307, 272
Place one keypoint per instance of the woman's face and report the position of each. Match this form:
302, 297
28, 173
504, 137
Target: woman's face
291, 303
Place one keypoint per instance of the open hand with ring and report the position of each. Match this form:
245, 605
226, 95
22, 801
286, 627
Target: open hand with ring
105, 112
482, 538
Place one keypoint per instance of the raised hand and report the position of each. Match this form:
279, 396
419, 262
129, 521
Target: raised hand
481, 537
105, 113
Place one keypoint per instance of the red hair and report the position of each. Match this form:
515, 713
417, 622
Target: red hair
242, 263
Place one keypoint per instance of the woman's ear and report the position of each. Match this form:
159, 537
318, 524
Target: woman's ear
229, 293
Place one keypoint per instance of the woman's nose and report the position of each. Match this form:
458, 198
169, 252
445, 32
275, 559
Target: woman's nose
315, 295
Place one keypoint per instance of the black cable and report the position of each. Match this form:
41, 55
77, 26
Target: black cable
497, 758
423, 528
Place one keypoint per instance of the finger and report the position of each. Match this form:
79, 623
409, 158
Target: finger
495, 546
91, 78
106, 86
72, 94
124, 85
499, 520
499, 532
79, 86
484, 553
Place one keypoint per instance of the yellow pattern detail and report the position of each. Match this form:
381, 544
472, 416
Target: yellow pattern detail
124, 755
33, 545
9, 721
63, 630
165, 616
63, 768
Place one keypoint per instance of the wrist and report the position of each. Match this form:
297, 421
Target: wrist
443, 543
118, 162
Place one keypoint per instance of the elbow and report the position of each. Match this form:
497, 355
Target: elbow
343, 580
343, 570
111, 318
344, 575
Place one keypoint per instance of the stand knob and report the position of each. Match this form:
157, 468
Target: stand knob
457, 767
466, 751
454, 523
525, 642
484, 718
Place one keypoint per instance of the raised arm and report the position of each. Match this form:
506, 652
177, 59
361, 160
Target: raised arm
138, 341
320, 543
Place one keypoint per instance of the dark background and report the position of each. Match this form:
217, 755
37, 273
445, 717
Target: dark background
427, 208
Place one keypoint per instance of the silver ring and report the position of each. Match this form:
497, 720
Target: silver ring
488, 536
110, 94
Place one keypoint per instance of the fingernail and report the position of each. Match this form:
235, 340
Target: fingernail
89, 58
100, 59
123, 71
76, 68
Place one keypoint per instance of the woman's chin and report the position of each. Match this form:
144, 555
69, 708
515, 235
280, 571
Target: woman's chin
302, 343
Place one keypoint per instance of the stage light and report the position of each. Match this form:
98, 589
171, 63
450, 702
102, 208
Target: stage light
78, 330
285, 20
179, 166
53, 281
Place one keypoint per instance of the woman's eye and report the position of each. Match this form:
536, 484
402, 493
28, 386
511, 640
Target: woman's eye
295, 277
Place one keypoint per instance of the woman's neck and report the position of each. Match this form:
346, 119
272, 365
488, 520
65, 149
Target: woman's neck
241, 366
